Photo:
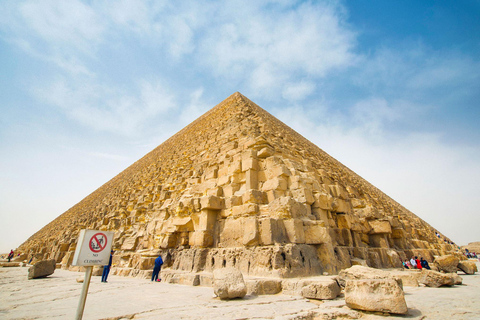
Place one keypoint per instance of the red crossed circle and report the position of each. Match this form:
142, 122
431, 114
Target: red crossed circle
96, 244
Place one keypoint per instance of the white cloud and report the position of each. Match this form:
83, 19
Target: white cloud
270, 47
298, 90
65, 22
107, 109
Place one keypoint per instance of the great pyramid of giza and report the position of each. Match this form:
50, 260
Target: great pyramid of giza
237, 187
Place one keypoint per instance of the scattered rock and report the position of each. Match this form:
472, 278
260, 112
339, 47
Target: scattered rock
436, 279
384, 295
327, 289
457, 280
41, 269
469, 267
447, 263
360, 272
228, 283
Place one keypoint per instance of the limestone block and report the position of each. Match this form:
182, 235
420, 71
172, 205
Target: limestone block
338, 191
287, 207
250, 231
380, 226
235, 167
303, 195
254, 196
263, 286
266, 152
249, 164
228, 283
251, 179
130, 243
398, 233
409, 277
316, 234
274, 194
327, 289
436, 279
358, 272
358, 203
295, 230
447, 263
229, 190
245, 209
323, 201
211, 202
233, 201
469, 267
223, 179
272, 231
343, 221
201, 238
342, 206
277, 183
384, 295
457, 280
42, 269
206, 219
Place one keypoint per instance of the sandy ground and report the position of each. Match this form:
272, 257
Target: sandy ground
57, 297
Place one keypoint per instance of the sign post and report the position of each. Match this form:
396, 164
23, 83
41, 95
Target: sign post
93, 248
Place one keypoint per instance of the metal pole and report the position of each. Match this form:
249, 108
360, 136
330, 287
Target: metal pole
83, 295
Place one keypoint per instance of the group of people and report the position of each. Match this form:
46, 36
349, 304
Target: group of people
470, 254
156, 269
415, 263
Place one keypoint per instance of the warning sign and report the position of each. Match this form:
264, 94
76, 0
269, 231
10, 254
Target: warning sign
98, 242
93, 248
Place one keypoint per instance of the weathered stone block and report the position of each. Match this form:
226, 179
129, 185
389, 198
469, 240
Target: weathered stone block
254, 196
295, 230
323, 201
228, 283
380, 226
316, 234
322, 290
469, 267
382, 295
211, 202
447, 263
41, 269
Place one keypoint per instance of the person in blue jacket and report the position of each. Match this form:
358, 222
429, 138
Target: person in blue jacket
106, 269
157, 268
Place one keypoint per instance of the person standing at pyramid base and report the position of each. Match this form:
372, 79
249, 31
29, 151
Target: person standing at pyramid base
157, 268
106, 269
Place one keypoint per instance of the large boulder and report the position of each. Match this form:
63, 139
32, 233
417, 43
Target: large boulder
327, 289
384, 295
436, 279
41, 269
228, 283
467, 266
358, 272
447, 263
409, 277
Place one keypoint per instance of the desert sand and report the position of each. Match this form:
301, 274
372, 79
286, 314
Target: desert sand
57, 297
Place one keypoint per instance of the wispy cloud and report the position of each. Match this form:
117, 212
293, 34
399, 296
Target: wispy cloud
107, 109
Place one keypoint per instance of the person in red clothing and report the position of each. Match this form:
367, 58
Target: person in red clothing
419, 265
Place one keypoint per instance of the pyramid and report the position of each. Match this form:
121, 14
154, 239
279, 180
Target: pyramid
237, 187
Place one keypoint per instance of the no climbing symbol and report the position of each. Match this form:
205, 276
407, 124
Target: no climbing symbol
98, 242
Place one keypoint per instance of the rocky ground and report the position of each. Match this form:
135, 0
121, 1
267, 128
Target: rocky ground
57, 296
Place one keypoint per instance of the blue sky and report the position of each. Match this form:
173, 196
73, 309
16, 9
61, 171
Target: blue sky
391, 89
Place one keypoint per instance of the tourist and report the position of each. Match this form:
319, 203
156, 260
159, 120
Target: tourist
406, 264
424, 263
106, 269
419, 265
10, 255
413, 262
157, 268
